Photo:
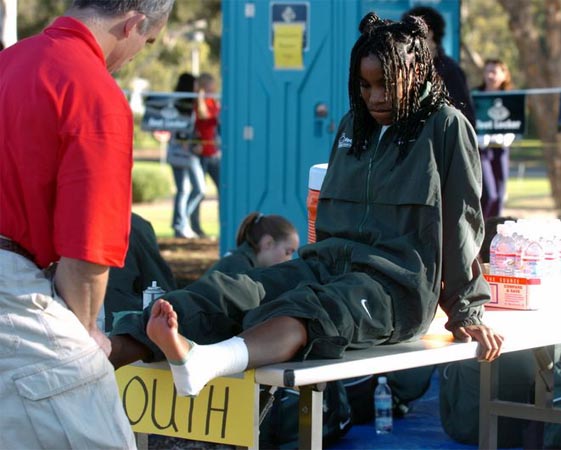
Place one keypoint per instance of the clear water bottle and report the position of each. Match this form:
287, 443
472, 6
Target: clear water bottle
505, 252
493, 252
532, 257
383, 407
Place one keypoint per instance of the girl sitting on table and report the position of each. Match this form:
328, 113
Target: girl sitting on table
398, 228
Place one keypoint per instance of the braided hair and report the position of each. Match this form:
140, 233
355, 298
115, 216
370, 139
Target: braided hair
407, 64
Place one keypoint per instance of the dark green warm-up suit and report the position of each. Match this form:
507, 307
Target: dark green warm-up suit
239, 260
143, 264
390, 235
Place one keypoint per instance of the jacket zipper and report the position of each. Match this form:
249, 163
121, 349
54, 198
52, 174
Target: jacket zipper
368, 177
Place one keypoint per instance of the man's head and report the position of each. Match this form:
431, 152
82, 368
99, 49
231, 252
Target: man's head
435, 22
155, 12
122, 27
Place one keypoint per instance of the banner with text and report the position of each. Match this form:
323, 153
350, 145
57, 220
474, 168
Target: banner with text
224, 412
167, 113
500, 113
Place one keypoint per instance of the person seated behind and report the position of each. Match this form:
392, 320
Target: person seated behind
450, 71
399, 226
143, 264
262, 241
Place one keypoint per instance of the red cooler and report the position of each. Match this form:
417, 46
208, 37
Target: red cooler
315, 180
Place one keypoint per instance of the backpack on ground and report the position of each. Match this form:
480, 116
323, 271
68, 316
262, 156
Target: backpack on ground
360, 393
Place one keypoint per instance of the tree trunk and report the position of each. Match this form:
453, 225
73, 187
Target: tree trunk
540, 57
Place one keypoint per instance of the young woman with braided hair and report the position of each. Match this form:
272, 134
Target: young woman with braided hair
398, 228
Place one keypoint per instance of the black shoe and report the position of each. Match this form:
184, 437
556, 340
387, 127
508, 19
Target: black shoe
201, 234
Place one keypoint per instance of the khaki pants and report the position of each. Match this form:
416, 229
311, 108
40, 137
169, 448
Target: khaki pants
57, 388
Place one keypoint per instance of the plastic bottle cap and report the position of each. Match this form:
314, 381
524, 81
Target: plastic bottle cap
154, 284
382, 380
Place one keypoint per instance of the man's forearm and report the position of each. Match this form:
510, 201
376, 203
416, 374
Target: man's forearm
82, 285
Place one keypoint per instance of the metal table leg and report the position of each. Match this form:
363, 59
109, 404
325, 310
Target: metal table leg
310, 420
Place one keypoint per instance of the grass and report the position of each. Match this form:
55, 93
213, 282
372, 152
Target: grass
529, 194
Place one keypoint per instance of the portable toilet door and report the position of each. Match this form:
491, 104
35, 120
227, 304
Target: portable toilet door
284, 72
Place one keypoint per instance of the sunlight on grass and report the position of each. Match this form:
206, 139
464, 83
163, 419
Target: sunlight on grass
529, 193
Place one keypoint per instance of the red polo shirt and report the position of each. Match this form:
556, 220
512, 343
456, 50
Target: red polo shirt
65, 148
207, 129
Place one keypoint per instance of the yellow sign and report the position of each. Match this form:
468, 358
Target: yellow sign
224, 411
287, 46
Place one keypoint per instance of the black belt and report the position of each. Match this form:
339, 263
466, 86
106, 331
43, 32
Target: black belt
14, 247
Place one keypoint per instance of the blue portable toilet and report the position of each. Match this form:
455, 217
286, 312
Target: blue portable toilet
284, 90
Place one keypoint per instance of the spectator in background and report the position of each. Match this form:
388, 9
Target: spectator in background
207, 128
183, 157
451, 73
494, 148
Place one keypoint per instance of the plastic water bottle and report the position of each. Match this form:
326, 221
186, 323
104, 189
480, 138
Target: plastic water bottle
383, 407
151, 293
493, 252
505, 252
532, 257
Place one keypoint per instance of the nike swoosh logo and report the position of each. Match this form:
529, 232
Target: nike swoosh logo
342, 425
363, 302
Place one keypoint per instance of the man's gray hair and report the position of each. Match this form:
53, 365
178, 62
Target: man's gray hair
155, 11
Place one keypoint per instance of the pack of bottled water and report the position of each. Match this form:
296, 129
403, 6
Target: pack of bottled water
525, 263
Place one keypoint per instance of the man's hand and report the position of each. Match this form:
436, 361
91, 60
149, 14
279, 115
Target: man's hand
102, 340
490, 343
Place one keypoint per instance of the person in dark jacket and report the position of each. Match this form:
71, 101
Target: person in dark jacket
261, 241
398, 228
449, 70
143, 264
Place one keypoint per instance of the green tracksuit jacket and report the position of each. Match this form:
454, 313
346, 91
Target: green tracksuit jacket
239, 260
395, 239
143, 264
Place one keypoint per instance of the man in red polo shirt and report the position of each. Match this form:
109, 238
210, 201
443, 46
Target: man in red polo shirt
65, 200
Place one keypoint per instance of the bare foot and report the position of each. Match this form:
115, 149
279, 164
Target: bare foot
162, 330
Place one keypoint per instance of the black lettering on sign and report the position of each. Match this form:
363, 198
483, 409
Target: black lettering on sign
223, 410
190, 415
166, 406
140, 381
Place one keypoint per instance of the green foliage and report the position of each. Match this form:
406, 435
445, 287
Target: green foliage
486, 35
149, 183
34, 15
162, 62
